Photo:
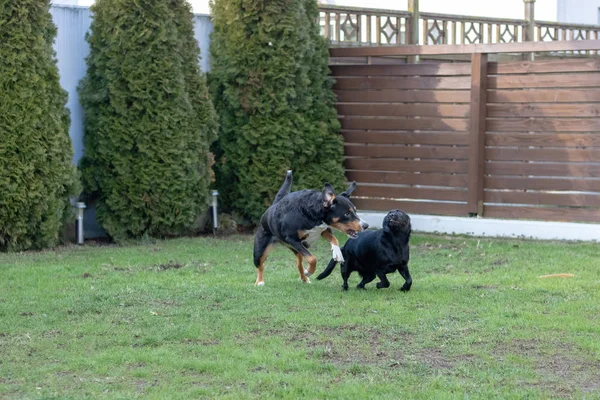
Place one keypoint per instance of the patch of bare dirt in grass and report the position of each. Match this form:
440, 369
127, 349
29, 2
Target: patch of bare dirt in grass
52, 333
170, 265
435, 358
562, 369
423, 247
134, 366
346, 345
489, 287
201, 342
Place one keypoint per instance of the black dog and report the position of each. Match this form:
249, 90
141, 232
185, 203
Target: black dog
377, 253
298, 219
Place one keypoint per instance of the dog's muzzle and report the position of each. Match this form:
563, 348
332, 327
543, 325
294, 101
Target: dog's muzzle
363, 224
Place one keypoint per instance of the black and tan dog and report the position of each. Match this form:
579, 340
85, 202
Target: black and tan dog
297, 220
377, 253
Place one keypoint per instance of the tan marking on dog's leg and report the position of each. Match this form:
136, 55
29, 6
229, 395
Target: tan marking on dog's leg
260, 271
330, 238
300, 267
260, 278
312, 264
335, 246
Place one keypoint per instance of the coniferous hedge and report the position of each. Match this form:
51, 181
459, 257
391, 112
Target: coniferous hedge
148, 119
36, 172
270, 85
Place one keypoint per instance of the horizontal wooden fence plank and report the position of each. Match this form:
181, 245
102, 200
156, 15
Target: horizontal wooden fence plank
431, 179
365, 83
391, 137
525, 154
398, 124
459, 167
543, 139
544, 66
362, 60
402, 110
437, 152
515, 168
543, 125
541, 198
412, 96
437, 69
517, 47
584, 80
578, 110
547, 214
414, 207
554, 184
543, 96
411, 193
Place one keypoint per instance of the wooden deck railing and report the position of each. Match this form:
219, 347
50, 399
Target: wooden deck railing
369, 26
364, 25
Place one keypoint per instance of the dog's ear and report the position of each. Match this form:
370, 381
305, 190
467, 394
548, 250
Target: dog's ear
328, 196
349, 191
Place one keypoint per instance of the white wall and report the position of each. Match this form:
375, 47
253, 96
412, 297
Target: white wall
66, 2
579, 11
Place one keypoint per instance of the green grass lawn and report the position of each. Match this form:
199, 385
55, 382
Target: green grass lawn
182, 319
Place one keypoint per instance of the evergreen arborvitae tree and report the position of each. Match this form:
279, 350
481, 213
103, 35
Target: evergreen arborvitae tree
148, 119
269, 81
36, 172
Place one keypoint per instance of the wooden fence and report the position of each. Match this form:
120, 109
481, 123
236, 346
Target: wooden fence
505, 140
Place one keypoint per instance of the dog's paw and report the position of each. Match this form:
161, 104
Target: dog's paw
305, 281
259, 284
337, 253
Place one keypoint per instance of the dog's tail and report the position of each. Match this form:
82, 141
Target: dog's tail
285, 188
327, 271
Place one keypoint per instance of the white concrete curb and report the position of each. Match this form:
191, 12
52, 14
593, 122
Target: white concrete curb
540, 230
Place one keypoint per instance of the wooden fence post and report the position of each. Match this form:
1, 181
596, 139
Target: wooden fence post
477, 127
413, 27
530, 29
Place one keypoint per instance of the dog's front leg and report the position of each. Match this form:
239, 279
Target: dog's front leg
403, 269
337, 255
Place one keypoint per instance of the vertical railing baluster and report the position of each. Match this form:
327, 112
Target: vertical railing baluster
337, 27
454, 32
369, 40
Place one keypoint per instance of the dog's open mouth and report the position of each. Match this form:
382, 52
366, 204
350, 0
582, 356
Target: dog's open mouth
351, 233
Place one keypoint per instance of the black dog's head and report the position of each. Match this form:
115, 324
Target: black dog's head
397, 222
340, 213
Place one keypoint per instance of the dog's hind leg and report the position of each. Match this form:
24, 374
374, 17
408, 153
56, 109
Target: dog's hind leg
263, 244
345, 275
285, 188
403, 269
302, 253
383, 280
367, 277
